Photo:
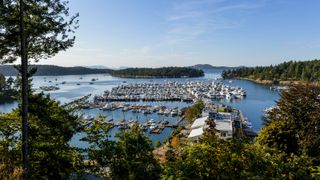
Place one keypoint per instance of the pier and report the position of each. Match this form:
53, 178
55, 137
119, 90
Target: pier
171, 91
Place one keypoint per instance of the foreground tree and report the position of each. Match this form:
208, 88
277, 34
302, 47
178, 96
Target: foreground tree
234, 159
293, 126
51, 128
33, 29
130, 157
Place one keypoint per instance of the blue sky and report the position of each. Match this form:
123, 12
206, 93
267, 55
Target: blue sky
153, 33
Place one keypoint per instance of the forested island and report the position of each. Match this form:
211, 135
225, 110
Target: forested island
292, 71
52, 70
164, 72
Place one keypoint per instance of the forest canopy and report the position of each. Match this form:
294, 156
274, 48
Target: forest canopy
287, 71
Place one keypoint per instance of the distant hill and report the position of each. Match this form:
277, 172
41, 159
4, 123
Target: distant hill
211, 69
97, 67
52, 70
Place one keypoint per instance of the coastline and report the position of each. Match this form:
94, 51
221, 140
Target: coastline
270, 82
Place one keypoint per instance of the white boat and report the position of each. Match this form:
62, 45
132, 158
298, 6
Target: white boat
228, 96
152, 126
88, 117
174, 112
107, 107
167, 112
150, 121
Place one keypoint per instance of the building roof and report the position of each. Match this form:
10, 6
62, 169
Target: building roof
200, 122
221, 116
223, 125
196, 132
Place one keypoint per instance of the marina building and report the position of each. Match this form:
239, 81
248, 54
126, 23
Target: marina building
223, 122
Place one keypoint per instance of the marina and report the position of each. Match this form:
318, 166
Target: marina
258, 97
119, 97
171, 91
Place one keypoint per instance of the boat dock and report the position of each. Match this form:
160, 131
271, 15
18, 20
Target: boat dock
171, 91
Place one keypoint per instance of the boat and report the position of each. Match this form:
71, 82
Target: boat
174, 112
228, 96
150, 121
107, 107
167, 112
152, 126
88, 117
247, 124
146, 111
143, 127
161, 112
49, 88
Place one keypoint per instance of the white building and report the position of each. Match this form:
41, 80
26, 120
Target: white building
224, 129
223, 126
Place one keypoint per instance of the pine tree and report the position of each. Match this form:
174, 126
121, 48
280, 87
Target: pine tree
33, 30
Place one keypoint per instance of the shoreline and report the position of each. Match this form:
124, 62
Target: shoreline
270, 82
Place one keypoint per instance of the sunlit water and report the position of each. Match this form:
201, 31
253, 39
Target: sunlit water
258, 98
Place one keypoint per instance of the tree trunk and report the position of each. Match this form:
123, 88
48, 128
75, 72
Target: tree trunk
24, 92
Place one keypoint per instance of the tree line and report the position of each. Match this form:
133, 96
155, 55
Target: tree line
286, 148
287, 71
52, 70
164, 72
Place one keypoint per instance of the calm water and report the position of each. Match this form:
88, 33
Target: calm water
258, 98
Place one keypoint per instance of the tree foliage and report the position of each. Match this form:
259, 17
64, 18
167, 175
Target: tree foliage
51, 128
193, 112
287, 71
48, 28
7, 91
130, 157
234, 159
293, 126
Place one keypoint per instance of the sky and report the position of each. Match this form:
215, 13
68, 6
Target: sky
156, 33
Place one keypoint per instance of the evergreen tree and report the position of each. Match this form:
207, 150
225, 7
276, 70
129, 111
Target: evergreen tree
33, 29
51, 128
292, 127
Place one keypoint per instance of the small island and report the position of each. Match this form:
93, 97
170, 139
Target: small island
164, 72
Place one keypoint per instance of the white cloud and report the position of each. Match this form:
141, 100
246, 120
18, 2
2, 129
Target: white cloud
193, 18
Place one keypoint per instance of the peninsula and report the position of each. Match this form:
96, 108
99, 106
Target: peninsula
284, 73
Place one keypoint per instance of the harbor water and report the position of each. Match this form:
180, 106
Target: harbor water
259, 97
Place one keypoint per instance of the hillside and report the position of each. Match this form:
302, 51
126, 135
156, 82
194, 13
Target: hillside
211, 69
308, 71
51, 70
